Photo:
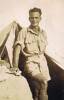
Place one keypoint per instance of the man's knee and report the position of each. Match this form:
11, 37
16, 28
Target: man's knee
39, 77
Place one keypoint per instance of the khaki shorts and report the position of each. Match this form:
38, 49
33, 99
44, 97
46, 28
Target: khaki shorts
37, 64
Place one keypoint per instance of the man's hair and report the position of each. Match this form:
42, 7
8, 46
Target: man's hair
35, 10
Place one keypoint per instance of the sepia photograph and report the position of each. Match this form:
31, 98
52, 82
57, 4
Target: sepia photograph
31, 49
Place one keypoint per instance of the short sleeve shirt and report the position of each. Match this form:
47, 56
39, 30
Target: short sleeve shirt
34, 44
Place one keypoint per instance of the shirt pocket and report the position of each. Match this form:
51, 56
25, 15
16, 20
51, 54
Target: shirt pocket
31, 45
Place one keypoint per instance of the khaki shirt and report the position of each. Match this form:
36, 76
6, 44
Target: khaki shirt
33, 46
32, 42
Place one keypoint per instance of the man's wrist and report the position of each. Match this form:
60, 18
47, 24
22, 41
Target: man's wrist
16, 71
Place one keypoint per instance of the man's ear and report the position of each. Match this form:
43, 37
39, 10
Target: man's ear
29, 18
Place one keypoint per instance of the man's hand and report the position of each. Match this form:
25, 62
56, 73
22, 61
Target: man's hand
15, 71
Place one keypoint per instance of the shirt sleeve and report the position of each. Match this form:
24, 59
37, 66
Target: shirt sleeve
44, 42
21, 38
45, 38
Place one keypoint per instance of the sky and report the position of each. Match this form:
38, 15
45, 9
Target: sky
52, 20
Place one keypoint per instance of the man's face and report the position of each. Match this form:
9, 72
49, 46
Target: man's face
34, 18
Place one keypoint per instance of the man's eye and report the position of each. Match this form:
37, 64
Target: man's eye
34, 17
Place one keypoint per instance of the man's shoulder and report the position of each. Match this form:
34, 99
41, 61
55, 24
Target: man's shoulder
23, 30
42, 30
44, 33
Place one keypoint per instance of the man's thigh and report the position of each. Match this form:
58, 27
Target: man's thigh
39, 77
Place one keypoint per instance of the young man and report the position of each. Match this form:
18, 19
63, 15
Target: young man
32, 42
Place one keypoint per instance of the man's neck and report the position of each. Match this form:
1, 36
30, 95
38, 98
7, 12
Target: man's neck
35, 29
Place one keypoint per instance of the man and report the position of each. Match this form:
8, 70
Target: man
31, 42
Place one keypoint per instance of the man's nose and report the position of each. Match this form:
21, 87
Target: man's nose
34, 19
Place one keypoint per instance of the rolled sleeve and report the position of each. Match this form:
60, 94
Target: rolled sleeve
21, 38
17, 43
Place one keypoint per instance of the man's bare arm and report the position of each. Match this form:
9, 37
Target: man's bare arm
16, 56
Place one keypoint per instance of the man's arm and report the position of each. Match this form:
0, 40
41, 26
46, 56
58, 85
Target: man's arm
15, 70
16, 54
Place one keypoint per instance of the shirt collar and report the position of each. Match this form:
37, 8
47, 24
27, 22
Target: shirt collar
33, 32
